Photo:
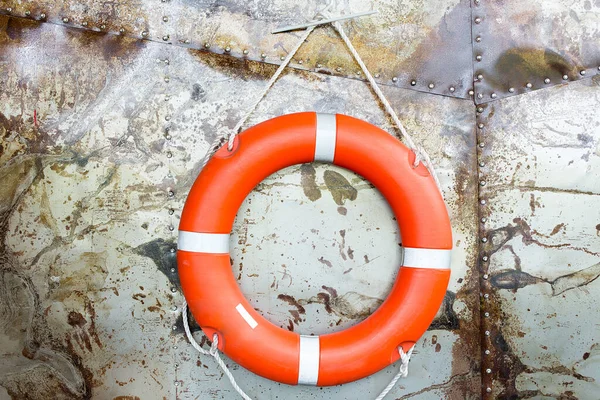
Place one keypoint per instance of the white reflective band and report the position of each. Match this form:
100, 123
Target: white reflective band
203, 242
427, 258
247, 317
310, 351
325, 143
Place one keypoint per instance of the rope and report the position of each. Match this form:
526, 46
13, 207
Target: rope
402, 373
420, 154
214, 352
284, 64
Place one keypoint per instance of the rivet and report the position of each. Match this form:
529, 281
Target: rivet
480, 125
480, 95
282, 58
9, 9
479, 109
358, 72
452, 89
482, 202
167, 80
480, 77
245, 51
168, 137
476, 2
171, 228
479, 57
477, 20
489, 371
376, 75
43, 16
165, 19
582, 72
482, 145
171, 211
484, 240
493, 95
478, 39
103, 27
172, 250
395, 79
300, 62
487, 333
486, 296
598, 67
511, 90
84, 23
165, 38
65, 20
263, 55
167, 61
471, 92
173, 308
565, 77
431, 86
485, 276
487, 352
485, 258
173, 290
482, 183
338, 69
206, 45
489, 390
174, 327
481, 164
171, 193
413, 83
227, 49
486, 314
27, 13
547, 80
483, 219
529, 85
167, 97
122, 31
144, 33
186, 41
169, 154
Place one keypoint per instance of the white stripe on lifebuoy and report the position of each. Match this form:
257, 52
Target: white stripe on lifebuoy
326, 134
196, 242
427, 258
310, 351
247, 317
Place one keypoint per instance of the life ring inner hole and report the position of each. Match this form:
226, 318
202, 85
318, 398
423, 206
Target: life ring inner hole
315, 248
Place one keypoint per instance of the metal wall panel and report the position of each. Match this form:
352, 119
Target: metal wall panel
541, 226
396, 44
520, 46
102, 137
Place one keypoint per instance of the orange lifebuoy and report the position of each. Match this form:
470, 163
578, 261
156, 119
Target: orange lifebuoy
211, 290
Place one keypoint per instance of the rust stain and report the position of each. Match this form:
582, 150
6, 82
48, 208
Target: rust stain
341, 190
308, 177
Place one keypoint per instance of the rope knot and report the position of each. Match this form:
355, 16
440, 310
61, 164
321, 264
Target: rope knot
214, 347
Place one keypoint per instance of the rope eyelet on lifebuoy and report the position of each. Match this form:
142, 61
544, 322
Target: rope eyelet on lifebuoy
212, 292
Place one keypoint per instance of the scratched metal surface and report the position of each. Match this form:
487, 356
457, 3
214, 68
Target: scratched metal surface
530, 45
396, 44
542, 174
102, 137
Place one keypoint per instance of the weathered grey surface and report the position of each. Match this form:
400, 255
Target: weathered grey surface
97, 130
525, 42
396, 44
543, 229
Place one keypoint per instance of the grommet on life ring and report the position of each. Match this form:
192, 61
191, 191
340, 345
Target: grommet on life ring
212, 292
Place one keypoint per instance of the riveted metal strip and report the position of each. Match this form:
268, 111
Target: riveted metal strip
245, 33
